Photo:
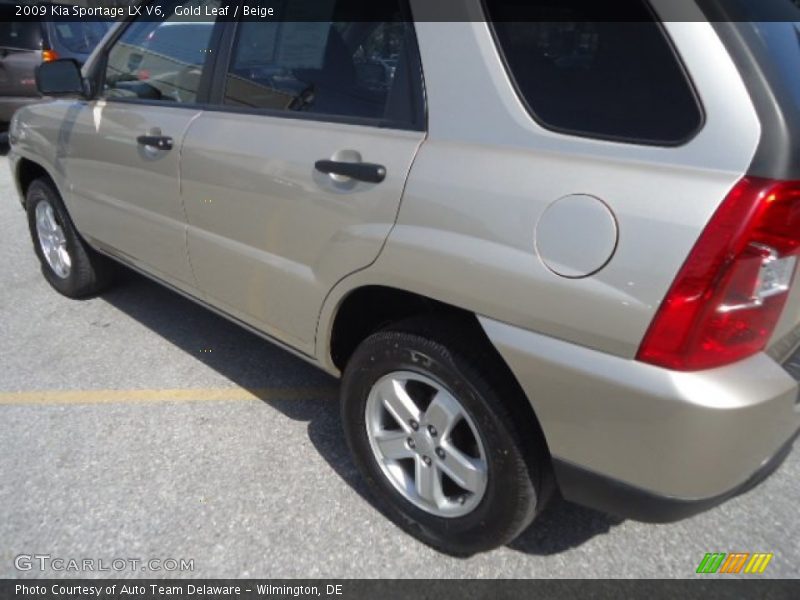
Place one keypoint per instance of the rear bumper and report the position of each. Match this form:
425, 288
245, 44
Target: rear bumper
615, 497
648, 443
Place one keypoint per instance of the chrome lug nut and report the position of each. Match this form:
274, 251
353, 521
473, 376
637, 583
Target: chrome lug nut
414, 424
440, 453
427, 460
411, 443
432, 431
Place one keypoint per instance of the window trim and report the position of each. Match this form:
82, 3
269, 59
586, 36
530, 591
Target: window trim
587, 135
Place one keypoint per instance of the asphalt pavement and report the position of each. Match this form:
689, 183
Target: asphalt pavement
137, 425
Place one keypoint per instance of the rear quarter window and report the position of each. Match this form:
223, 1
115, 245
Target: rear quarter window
620, 81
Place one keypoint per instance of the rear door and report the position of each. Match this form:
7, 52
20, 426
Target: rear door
295, 179
20, 53
123, 148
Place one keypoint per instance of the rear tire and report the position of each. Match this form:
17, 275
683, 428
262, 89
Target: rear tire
396, 453
69, 265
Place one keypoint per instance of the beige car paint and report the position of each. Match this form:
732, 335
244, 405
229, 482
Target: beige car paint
119, 189
683, 435
463, 213
269, 236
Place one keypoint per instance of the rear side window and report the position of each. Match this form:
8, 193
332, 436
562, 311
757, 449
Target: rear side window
359, 70
610, 80
20, 35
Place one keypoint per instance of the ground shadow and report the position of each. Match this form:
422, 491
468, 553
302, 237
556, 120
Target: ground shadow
563, 526
252, 363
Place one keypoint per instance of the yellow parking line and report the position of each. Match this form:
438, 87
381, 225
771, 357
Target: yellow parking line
55, 397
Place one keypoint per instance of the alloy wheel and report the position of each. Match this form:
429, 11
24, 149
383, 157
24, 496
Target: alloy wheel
52, 240
426, 444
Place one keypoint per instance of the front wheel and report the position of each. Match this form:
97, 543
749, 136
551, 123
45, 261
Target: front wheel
428, 425
68, 264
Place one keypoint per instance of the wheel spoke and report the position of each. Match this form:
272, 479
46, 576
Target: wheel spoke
469, 473
43, 228
393, 445
399, 403
51, 219
443, 413
428, 482
63, 256
53, 258
59, 267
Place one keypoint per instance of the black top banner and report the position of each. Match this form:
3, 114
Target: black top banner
418, 10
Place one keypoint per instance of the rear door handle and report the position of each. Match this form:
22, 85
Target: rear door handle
161, 142
369, 172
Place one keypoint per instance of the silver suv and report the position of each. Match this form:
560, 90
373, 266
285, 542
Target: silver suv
544, 251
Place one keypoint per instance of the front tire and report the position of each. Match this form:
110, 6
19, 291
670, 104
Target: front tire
68, 264
427, 423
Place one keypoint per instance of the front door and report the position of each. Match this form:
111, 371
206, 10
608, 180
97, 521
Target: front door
124, 147
296, 180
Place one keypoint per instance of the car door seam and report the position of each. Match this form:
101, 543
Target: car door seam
184, 135
380, 250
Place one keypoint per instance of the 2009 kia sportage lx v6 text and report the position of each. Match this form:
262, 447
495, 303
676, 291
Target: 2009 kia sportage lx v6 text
544, 255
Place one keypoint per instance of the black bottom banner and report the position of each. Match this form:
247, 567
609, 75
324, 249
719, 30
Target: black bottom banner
390, 589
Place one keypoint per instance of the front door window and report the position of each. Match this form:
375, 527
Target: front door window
160, 61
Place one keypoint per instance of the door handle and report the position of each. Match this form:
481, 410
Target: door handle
162, 142
369, 172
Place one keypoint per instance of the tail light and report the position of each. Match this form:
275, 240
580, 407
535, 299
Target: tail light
728, 296
49, 55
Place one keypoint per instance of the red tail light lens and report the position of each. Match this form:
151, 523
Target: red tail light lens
726, 300
49, 55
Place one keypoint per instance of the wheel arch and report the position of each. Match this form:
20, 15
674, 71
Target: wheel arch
368, 308
27, 171
362, 310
